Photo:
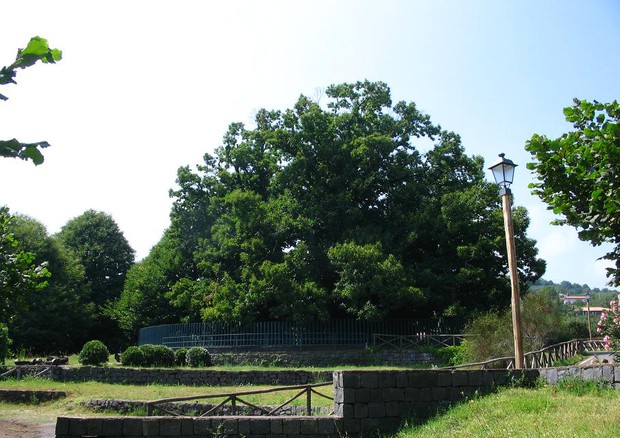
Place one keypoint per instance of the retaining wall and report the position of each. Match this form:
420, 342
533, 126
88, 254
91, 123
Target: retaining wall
366, 403
188, 377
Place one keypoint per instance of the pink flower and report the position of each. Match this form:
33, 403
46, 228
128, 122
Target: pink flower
598, 330
606, 339
607, 347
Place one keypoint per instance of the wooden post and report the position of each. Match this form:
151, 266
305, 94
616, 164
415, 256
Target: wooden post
589, 322
514, 279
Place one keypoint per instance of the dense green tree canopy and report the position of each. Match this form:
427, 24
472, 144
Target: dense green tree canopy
357, 209
106, 256
20, 274
578, 175
58, 317
103, 251
36, 50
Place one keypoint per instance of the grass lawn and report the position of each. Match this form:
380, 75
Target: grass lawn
80, 392
573, 409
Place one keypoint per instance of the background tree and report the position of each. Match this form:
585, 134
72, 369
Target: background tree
36, 50
334, 212
579, 174
20, 274
103, 250
57, 318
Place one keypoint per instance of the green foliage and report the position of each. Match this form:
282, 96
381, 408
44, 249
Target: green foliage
276, 224
579, 174
20, 274
453, 355
5, 342
180, 357
36, 50
94, 353
581, 387
542, 324
58, 317
133, 356
198, 357
102, 249
157, 355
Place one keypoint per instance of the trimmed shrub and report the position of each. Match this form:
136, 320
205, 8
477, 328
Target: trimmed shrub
180, 357
94, 353
157, 355
132, 357
198, 357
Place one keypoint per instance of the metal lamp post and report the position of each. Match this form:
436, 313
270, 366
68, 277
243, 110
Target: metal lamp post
503, 172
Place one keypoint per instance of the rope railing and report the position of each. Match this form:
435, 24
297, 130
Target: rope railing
235, 398
543, 358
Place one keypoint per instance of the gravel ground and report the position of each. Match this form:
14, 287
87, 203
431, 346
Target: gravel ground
21, 429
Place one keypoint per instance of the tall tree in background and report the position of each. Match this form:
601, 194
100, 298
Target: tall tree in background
58, 317
336, 212
579, 175
36, 50
106, 256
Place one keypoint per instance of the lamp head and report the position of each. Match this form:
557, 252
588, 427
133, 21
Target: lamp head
503, 171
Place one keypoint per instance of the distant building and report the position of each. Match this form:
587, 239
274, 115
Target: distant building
572, 299
594, 311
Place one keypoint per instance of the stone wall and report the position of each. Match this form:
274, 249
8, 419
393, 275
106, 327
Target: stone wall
188, 377
324, 358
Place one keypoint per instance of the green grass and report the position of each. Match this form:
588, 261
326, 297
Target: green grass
80, 392
573, 408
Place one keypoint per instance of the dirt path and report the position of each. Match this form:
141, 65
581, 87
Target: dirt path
21, 429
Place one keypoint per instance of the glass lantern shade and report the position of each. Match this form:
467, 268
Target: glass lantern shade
503, 171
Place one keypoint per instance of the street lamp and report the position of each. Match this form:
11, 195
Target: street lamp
503, 172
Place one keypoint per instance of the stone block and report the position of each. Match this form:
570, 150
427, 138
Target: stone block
460, 378
592, 373
202, 426
387, 379
112, 426
94, 426
391, 409
488, 378
402, 380
275, 425
78, 426
132, 426
362, 395
260, 426
376, 394
150, 427
439, 393
617, 373
476, 378
412, 394
291, 426
360, 410
369, 380
62, 425
244, 425
170, 427
351, 426
392, 394
350, 379
608, 373
376, 409
444, 378
328, 427
308, 426
187, 426
423, 379
426, 394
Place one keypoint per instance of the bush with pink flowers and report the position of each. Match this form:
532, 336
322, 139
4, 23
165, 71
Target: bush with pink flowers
609, 327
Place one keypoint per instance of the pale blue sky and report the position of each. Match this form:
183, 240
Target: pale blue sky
148, 86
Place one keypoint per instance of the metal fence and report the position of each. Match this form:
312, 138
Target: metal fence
287, 334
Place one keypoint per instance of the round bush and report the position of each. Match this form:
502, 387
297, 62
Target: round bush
198, 357
180, 357
164, 356
157, 355
132, 357
94, 353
